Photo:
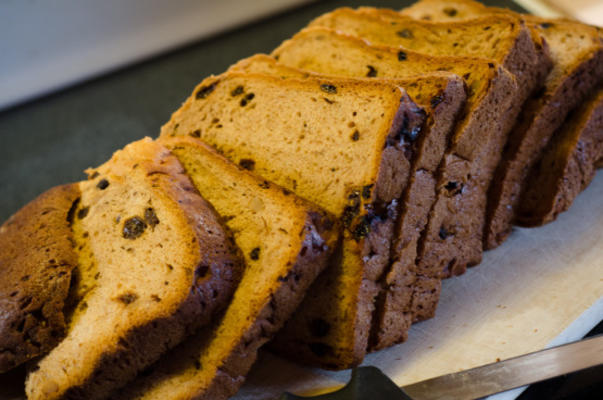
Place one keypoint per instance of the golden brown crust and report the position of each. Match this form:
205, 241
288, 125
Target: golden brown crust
204, 291
36, 260
285, 277
283, 302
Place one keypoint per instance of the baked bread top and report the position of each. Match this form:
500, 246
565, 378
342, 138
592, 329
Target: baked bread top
493, 37
503, 38
154, 264
36, 262
286, 243
570, 42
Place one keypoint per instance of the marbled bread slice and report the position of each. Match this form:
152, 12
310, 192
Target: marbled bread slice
343, 144
491, 92
567, 166
154, 264
577, 54
452, 241
286, 243
37, 257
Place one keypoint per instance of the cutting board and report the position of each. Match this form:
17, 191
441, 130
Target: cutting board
542, 287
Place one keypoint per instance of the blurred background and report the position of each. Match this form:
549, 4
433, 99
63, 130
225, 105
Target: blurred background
47, 45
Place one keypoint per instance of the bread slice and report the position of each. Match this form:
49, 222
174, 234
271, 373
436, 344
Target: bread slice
154, 264
36, 260
443, 98
286, 243
343, 144
567, 166
577, 53
503, 39
492, 90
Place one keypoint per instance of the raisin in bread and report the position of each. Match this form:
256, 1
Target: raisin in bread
340, 143
286, 243
452, 241
567, 166
577, 54
154, 263
36, 261
492, 91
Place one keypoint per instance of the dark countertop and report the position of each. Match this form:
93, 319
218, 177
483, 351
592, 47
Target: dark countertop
51, 140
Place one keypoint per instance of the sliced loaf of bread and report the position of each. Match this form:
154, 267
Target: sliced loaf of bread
567, 166
442, 96
286, 243
154, 264
492, 91
345, 145
37, 257
452, 241
577, 54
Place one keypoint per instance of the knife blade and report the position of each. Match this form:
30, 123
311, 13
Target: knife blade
476, 382
511, 373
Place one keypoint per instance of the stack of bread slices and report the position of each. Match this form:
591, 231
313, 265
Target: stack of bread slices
313, 198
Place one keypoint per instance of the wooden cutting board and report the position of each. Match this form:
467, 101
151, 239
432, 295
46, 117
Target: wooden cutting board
542, 287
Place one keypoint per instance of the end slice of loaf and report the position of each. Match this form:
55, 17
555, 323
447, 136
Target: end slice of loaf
576, 51
154, 264
340, 143
567, 166
286, 243
36, 261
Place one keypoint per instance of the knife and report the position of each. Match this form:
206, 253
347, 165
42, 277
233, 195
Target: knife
370, 383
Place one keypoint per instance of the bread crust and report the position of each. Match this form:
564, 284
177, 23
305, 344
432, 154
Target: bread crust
36, 261
213, 278
286, 284
540, 118
528, 61
567, 167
